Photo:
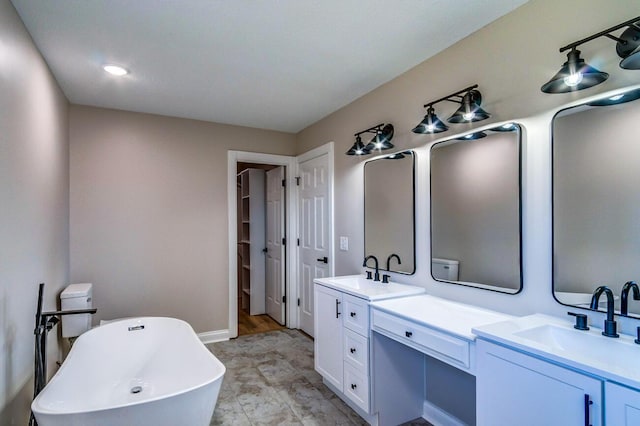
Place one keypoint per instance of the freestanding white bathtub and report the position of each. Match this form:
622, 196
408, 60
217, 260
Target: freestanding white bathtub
136, 371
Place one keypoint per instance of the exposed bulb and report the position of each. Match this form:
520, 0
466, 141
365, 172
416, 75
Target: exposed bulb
616, 97
507, 126
573, 79
115, 70
431, 128
468, 115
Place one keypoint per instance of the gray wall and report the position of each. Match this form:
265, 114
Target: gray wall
510, 59
34, 212
475, 208
149, 224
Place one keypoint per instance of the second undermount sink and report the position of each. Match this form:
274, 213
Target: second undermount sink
359, 286
556, 339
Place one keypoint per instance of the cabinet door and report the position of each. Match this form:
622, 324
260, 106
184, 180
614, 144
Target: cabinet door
515, 389
328, 334
623, 405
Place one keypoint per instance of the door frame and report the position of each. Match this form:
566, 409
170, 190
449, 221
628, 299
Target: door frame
291, 227
327, 148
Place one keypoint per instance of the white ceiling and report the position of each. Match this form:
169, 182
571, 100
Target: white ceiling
271, 64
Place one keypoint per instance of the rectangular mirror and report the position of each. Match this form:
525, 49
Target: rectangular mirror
596, 200
389, 218
475, 210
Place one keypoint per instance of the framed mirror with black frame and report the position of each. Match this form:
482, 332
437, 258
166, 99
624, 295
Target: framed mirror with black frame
476, 204
389, 211
596, 201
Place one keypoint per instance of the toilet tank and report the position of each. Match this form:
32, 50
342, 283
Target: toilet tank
76, 296
444, 269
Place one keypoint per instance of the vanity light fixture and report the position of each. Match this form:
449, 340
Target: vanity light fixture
472, 136
115, 70
469, 111
381, 141
507, 127
576, 74
431, 123
358, 147
620, 98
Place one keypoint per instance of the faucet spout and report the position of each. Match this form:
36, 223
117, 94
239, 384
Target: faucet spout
609, 324
624, 297
376, 276
391, 256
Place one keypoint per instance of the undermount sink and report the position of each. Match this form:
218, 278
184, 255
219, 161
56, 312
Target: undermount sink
359, 286
556, 339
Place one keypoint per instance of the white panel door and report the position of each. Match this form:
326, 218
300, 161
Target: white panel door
275, 282
314, 217
622, 405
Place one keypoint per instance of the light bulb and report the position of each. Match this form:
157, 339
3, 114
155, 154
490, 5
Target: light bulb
431, 128
507, 126
115, 70
468, 115
573, 79
616, 97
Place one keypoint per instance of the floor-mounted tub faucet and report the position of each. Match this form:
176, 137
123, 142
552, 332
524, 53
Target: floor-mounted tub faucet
624, 297
376, 277
609, 324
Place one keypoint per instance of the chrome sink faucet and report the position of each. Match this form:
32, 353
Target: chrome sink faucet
376, 277
624, 297
609, 324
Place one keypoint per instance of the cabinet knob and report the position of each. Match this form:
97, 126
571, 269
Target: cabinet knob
408, 333
352, 350
353, 314
353, 386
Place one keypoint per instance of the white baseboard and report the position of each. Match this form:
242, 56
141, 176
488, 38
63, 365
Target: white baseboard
438, 417
214, 336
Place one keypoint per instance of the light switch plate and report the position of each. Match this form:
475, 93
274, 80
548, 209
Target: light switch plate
344, 243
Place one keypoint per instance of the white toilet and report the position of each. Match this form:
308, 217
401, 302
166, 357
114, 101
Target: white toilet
444, 269
76, 296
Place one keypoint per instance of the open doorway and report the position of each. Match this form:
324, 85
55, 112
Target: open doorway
304, 258
261, 256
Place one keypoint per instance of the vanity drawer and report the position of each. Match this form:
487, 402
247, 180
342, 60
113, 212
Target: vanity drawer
356, 314
443, 346
356, 386
356, 350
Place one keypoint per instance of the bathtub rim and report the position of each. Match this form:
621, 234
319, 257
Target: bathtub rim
40, 409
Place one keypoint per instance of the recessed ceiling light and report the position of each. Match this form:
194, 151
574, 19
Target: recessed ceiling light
115, 70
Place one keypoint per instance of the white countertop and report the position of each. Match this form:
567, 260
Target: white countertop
359, 286
555, 339
444, 315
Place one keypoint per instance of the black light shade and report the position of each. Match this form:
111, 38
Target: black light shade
621, 98
472, 136
358, 148
382, 139
469, 110
430, 124
507, 127
396, 156
631, 62
574, 75
628, 48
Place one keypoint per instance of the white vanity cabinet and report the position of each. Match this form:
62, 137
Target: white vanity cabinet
623, 405
328, 354
516, 389
342, 343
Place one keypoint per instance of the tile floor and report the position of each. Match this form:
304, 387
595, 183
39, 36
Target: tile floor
270, 380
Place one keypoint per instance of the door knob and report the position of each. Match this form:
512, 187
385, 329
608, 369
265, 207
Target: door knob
323, 259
